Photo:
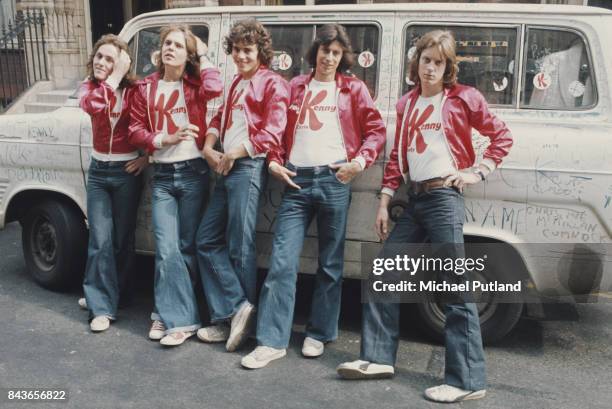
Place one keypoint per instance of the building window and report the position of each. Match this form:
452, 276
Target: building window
7, 12
145, 6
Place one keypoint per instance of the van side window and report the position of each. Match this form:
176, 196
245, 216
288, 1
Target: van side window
291, 43
486, 57
558, 73
147, 42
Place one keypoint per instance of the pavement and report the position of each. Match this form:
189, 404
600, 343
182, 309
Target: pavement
45, 342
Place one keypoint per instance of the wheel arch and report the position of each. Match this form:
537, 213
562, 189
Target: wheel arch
21, 201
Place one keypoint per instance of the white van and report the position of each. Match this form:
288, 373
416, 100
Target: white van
545, 70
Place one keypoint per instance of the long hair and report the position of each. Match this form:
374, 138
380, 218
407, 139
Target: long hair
445, 43
326, 35
192, 65
121, 45
250, 31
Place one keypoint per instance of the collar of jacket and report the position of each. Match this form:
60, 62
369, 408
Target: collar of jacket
457, 90
341, 81
155, 77
261, 70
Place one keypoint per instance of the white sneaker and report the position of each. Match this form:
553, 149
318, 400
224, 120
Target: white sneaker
312, 348
262, 356
176, 338
241, 322
157, 331
99, 323
83, 303
448, 394
364, 370
214, 333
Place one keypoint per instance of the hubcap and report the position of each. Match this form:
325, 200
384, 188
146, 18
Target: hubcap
44, 243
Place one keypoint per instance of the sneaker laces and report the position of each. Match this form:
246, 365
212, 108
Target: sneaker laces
158, 326
262, 351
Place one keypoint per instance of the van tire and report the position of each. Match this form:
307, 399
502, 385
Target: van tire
499, 319
54, 241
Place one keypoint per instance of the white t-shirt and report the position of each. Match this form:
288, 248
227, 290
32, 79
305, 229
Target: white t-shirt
428, 151
318, 137
237, 132
116, 105
170, 114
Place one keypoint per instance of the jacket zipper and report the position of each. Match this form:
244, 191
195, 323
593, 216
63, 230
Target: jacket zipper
340, 124
444, 131
110, 122
298, 119
400, 153
148, 106
187, 106
228, 103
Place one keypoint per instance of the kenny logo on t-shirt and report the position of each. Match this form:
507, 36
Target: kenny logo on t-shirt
424, 144
115, 108
165, 110
417, 124
310, 107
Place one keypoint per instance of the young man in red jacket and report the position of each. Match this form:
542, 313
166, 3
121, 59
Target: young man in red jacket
434, 141
334, 132
248, 126
169, 120
114, 179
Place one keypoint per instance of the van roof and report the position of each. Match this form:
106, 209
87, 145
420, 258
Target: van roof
460, 8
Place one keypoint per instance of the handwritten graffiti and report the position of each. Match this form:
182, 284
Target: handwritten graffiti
37, 174
559, 184
492, 215
14, 155
41, 132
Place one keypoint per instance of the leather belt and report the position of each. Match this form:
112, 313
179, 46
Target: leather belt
427, 185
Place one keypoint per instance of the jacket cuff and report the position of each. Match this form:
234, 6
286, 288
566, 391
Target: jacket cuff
205, 63
157, 140
213, 131
387, 191
360, 160
489, 163
112, 82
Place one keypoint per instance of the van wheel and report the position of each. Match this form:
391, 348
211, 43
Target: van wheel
497, 315
496, 320
54, 240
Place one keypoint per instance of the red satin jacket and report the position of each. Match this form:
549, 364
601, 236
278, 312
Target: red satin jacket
98, 99
463, 108
265, 107
363, 130
197, 91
